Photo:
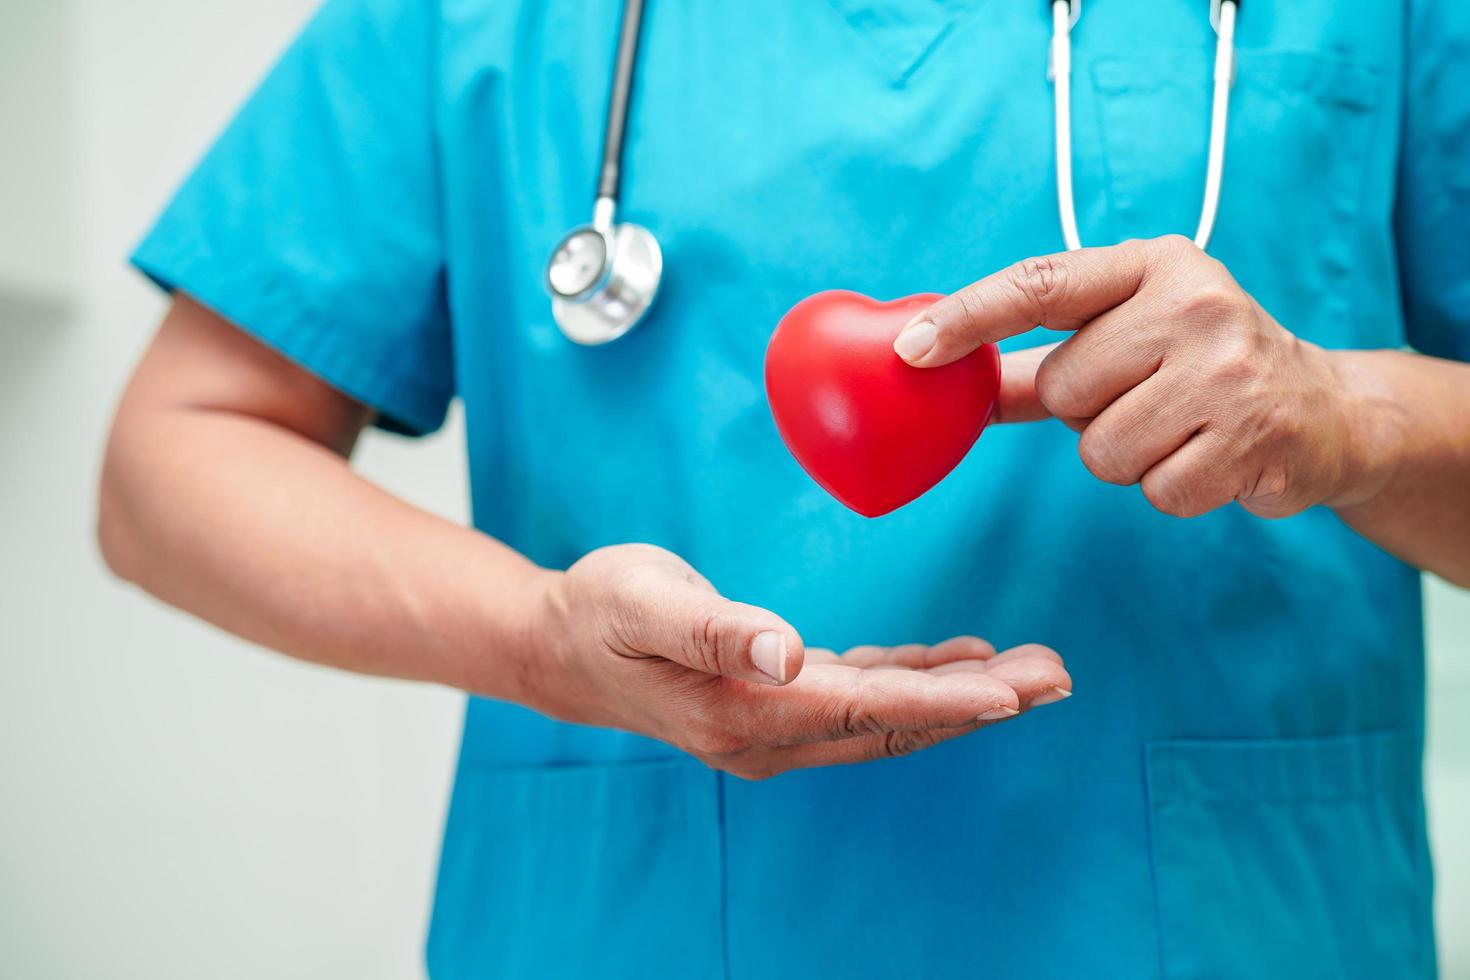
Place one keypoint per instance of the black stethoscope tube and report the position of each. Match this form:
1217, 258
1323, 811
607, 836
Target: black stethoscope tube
617, 105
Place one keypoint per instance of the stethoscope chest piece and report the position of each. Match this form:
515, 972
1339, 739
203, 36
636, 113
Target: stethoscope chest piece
603, 282
604, 276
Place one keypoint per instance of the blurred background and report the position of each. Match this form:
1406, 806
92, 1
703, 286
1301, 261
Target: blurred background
173, 803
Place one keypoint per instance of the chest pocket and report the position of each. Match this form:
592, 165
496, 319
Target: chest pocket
1293, 225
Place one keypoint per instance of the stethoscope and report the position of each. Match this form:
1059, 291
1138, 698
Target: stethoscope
603, 276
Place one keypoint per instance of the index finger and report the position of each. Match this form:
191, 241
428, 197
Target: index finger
1060, 292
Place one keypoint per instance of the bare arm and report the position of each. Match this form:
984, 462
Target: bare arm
1416, 499
226, 492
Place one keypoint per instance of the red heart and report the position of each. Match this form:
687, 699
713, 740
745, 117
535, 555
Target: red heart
873, 431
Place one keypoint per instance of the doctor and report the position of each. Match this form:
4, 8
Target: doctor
645, 611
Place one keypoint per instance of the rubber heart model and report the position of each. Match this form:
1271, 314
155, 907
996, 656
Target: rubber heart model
875, 432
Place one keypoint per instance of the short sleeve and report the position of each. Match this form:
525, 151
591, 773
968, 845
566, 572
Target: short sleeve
314, 223
1433, 210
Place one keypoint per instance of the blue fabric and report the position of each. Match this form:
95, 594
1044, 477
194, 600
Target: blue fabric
1235, 789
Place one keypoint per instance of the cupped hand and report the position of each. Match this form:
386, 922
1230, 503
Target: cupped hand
1175, 377
632, 637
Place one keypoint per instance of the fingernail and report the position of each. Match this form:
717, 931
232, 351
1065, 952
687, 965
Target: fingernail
997, 714
916, 340
1051, 697
768, 653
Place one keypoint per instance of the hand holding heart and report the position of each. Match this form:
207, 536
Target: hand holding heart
1174, 376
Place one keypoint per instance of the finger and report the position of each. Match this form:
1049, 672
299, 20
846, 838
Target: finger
876, 656
1018, 401
918, 655
1036, 680
662, 614
885, 745
1061, 291
1094, 367
1193, 480
1028, 650
1014, 653
1141, 428
1035, 673
958, 648
835, 701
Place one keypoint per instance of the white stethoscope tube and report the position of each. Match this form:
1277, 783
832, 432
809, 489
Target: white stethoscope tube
1064, 14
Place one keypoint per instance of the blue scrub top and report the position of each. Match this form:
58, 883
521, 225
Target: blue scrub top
1234, 791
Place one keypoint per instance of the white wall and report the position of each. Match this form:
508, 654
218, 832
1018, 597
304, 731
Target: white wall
1448, 770
173, 803
35, 194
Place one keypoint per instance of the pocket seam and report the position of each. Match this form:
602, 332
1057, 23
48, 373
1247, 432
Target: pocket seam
1363, 761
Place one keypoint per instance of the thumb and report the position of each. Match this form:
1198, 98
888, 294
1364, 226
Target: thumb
683, 619
1018, 401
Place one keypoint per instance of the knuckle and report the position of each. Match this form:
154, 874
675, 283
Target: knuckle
1057, 392
1167, 255
1050, 380
1102, 456
850, 717
897, 744
1271, 488
1233, 367
1170, 252
860, 718
1216, 302
1171, 495
1177, 244
707, 650
970, 305
1040, 281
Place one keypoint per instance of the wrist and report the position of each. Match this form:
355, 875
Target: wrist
543, 647
501, 637
532, 645
1373, 423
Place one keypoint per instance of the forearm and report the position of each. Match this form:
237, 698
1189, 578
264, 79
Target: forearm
273, 537
1412, 491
